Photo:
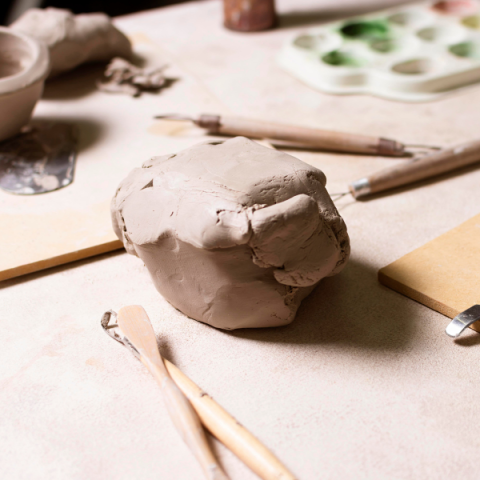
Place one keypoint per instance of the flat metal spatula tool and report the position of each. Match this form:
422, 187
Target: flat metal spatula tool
40, 159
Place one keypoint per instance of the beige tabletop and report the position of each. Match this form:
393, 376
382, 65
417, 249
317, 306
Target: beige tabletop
364, 384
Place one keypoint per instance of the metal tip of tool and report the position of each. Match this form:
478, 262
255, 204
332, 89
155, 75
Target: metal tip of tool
175, 116
462, 321
106, 317
424, 147
418, 150
360, 187
113, 331
338, 196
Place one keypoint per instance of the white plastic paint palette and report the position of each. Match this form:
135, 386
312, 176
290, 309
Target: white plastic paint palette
414, 53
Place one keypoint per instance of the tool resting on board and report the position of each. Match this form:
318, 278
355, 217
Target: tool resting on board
219, 422
443, 274
296, 136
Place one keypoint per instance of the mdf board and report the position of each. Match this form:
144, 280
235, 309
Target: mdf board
443, 274
117, 133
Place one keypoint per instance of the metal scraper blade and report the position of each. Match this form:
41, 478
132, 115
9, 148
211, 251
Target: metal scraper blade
38, 160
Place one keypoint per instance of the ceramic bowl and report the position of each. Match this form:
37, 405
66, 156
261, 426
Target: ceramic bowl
24, 65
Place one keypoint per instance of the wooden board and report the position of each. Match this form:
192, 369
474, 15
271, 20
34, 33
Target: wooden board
117, 133
443, 274
39, 241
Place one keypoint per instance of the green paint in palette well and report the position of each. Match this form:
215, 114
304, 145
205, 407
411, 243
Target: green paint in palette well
339, 58
376, 33
366, 30
466, 50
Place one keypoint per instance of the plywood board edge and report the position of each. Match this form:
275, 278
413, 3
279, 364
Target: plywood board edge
429, 302
60, 259
390, 282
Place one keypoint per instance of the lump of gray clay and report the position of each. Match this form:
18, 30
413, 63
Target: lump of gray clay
73, 39
234, 235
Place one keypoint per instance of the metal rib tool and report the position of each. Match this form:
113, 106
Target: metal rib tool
462, 321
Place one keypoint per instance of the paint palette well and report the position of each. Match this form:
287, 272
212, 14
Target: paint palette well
410, 53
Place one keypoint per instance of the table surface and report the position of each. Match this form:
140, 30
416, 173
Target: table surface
364, 384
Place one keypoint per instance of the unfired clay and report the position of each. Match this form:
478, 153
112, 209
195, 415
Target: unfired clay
24, 66
73, 39
124, 77
234, 235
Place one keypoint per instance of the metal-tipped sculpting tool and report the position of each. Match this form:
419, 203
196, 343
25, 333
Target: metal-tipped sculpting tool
296, 136
140, 338
217, 420
421, 168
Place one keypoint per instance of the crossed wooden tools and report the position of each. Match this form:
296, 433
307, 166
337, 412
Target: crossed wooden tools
188, 405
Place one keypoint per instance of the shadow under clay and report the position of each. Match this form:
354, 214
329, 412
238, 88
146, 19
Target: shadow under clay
74, 84
351, 308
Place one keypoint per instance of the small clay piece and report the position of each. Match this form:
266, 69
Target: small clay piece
73, 39
124, 77
235, 234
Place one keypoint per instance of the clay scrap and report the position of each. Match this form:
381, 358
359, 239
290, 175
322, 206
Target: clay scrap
235, 234
124, 77
73, 39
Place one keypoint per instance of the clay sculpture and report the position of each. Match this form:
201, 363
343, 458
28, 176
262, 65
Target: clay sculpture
73, 39
235, 234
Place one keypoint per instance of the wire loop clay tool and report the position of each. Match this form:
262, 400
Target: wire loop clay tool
220, 423
295, 136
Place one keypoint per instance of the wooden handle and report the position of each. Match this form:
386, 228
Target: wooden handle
301, 136
135, 324
233, 435
188, 424
420, 169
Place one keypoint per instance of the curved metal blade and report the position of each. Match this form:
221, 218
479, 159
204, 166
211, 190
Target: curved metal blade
462, 321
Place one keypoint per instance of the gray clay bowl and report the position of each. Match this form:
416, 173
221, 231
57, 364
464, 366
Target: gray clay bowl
24, 65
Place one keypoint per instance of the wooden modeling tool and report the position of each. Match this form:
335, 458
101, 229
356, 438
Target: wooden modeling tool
443, 274
418, 169
135, 324
297, 136
219, 422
